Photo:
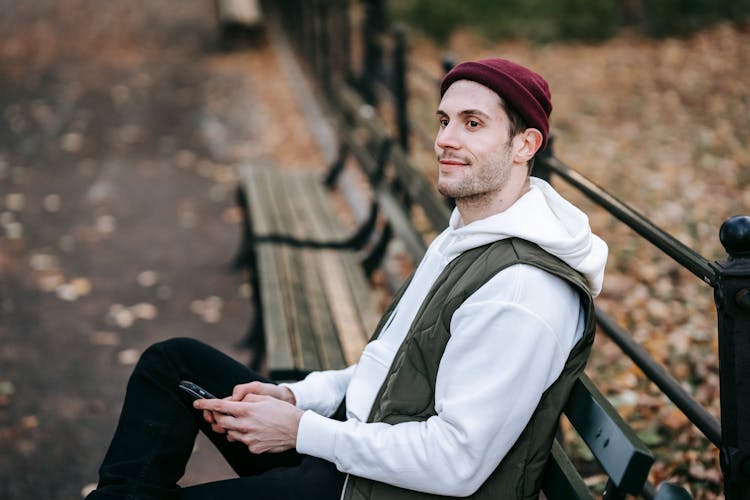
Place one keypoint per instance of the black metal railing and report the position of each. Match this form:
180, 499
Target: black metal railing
730, 280
350, 41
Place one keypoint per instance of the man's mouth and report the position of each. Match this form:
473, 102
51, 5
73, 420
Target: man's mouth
452, 162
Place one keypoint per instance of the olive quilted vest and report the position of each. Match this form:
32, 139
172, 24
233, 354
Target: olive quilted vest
408, 393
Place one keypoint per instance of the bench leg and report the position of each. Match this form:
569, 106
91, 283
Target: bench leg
255, 343
377, 253
243, 256
254, 338
245, 259
336, 168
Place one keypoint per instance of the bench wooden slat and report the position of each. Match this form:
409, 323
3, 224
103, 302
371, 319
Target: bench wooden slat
302, 338
280, 261
278, 266
362, 114
314, 318
251, 179
358, 283
297, 221
367, 163
324, 327
321, 327
304, 334
561, 479
350, 332
320, 217
401, 224
276, 322
346, 288
275, 325
283, 345
622, 455
340, 338
315, 329
268, 222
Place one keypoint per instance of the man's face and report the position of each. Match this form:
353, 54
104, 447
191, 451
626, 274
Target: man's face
472, 145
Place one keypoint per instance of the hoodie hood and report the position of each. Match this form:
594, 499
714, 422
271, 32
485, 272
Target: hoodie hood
540, 216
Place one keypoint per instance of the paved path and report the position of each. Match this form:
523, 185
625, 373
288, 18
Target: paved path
120, 125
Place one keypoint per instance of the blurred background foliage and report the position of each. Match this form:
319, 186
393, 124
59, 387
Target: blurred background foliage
545, 20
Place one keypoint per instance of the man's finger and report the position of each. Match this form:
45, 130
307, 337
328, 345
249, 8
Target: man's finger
227, 421
235, 436
218, 405
254, 398
241, 390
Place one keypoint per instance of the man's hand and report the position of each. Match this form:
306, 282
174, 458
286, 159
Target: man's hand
242, 390
261, 422
275, 391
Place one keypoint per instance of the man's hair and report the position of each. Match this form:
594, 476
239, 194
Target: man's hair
517, 125
523, 89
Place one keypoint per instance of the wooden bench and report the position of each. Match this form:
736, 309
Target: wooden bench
317, 308
315, 305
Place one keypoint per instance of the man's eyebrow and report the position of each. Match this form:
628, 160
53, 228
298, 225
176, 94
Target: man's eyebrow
466, 112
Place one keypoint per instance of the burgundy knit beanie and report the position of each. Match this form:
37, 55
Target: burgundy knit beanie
525, 91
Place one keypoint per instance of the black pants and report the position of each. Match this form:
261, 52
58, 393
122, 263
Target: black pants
158, 426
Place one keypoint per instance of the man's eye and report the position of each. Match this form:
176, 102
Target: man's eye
443, 122
473, 123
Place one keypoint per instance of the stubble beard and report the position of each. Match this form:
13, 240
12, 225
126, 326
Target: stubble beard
479, 182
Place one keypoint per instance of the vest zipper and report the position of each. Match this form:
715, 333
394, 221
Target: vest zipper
343, 490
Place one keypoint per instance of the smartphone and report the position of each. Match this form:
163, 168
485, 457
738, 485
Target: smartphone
194, 390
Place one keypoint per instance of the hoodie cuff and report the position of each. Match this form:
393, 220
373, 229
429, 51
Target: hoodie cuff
299, 396
316, 436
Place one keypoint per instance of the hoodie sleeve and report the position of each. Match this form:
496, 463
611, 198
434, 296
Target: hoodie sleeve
507, 346
322, 392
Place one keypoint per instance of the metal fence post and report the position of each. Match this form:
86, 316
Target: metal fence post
400, 89
313, 41
373, 29
732, 296
324, 69
447, 62
540, 168
338, 41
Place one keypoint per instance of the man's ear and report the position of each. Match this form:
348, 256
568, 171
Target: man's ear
526, 144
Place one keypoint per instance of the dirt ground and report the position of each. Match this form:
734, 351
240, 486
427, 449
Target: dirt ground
120, 126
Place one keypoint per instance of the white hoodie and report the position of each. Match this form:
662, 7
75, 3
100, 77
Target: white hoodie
509, 342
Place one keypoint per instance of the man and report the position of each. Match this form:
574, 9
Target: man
458, 393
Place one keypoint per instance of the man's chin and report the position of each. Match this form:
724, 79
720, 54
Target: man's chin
447, 190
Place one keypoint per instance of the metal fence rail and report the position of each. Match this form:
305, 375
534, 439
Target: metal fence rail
370, 56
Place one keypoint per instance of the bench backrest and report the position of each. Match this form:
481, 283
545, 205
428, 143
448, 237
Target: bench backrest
397, 186
624, 458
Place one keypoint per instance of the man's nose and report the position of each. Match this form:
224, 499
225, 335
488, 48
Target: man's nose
447, 138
